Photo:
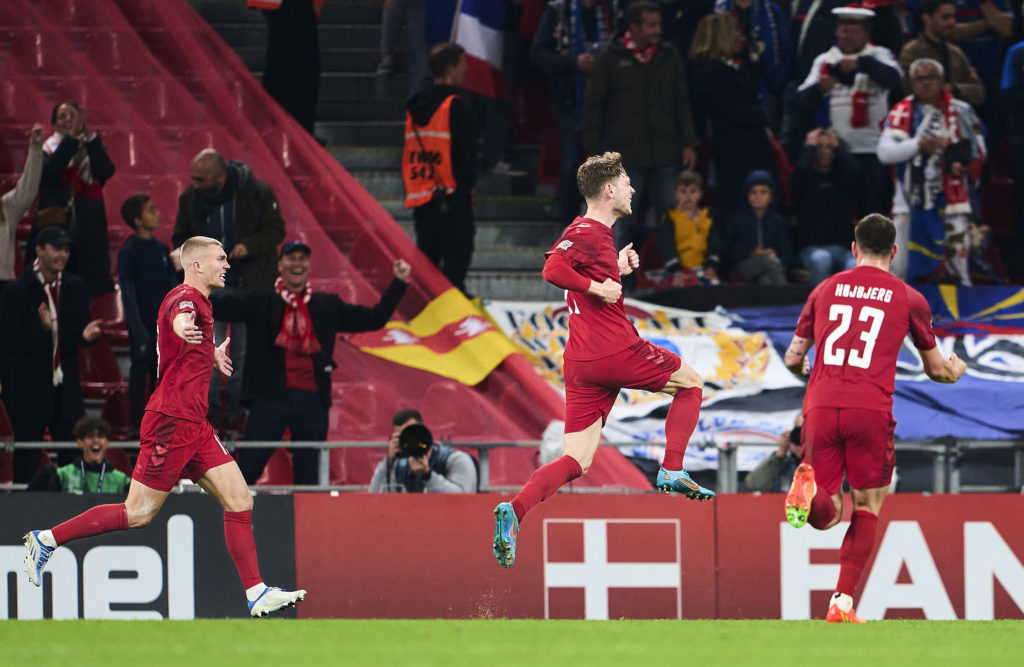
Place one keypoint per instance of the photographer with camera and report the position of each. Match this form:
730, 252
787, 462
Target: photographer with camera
416, 464
936, 144
775, 471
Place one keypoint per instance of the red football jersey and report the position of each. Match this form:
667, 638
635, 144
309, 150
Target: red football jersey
183, 369
858, 319
596, 329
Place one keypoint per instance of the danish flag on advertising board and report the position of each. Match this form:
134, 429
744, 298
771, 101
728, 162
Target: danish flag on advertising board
612, 568
479, 27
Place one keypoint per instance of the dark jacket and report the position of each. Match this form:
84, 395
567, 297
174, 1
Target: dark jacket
28, 387
742, 230
263, 312
641, 111
823, 202
257, 223
739, 135
462, 126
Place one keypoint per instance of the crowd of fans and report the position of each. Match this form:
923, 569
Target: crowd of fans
835, 110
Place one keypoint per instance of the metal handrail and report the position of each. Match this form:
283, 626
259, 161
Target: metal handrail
946, 455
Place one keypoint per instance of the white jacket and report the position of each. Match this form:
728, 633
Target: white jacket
14, 205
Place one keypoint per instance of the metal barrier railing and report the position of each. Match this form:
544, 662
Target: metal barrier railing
947, 455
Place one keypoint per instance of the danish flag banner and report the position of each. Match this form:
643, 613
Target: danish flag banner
479, 27
449, 337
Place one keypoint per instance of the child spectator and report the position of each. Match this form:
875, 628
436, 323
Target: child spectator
754, 239
146, 276
823, 188
89, 473
684, 242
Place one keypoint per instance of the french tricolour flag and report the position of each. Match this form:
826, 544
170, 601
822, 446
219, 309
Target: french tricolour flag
479, 28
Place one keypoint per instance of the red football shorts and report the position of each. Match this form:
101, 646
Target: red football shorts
169, 446
854, 441
592, 386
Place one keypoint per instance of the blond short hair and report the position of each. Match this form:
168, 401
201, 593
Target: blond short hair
597, 171
192, 249
713, 39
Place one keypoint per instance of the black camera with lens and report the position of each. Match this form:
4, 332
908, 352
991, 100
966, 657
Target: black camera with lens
414, 440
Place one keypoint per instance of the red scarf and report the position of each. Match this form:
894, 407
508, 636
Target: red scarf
297, 325
644, 56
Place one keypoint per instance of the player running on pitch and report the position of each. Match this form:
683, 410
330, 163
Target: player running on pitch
604, 353
859, 318
177, 438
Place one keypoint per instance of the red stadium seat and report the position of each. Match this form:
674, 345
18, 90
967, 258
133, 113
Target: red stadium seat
119, 459
117, 412
132, 152
369, 404
14, 17
278, 471
108, 308
99, 371
279, 144
21, 104
355, 465
102, 106
6, 430
119, 53
75, 13
160, 101
40, 54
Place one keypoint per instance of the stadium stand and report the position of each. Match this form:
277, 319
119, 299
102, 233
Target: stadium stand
158, 85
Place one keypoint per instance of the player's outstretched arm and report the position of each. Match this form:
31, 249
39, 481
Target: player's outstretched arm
184, 325
796, 355
941, 369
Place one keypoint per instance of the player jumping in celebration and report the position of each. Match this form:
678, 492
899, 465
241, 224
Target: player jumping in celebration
604, 353
176, 437
859, 318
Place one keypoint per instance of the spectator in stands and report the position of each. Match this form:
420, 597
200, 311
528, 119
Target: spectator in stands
935, 141
291, 333
571, 32
438, 469
226, 202
813, 28
637, 102
44, 317
685, 243
412, 14
147, 274
775, 471
766, 36
89, 473
439, 166
935, 41
824, 190
1013, 95
75, 168
754, 238
725, 88
848, 88
291, 73
16, 203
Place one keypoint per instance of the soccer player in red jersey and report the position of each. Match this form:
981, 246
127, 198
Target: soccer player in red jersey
604, 353
859, 318
175, 436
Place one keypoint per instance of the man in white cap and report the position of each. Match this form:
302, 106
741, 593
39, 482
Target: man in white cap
848, 90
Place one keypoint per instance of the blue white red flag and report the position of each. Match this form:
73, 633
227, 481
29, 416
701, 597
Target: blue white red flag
479, 27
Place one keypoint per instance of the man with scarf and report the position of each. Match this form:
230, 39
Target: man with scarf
291, 333
227, 202
848, 90
637, 103
571, 32
44, 317
936, 144
75, 168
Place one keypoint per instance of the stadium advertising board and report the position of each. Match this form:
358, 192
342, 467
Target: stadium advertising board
651, 556
177, 567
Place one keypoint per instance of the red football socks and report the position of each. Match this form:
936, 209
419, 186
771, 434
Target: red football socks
679, 424
242, 546
94, 521
823, 510
857, 546
544, 481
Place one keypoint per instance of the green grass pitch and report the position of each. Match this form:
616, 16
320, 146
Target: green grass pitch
241, 643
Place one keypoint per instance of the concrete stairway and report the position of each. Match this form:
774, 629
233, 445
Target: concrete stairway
361, 115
